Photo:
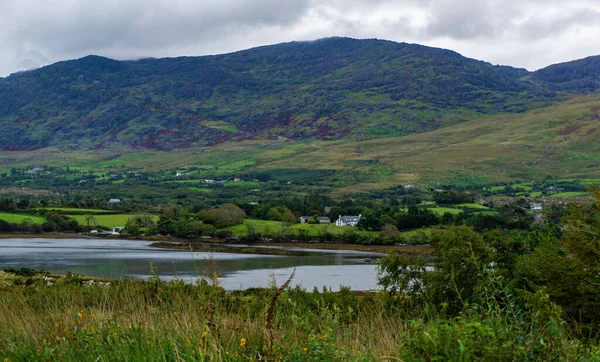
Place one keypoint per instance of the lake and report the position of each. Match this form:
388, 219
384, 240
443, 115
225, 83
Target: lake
110, 258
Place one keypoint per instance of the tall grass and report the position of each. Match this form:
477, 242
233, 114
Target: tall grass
75, 319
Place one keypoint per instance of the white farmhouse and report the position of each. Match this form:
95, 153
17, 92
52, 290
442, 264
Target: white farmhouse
348, 220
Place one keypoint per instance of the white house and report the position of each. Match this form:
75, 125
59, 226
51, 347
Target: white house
536, 206
348, 220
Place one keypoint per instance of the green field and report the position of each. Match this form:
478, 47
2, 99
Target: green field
73, 209
569, 194
242, 183
589, 181
108, 220
485, 213
443, 210
18, 218
472, 206
200, 189
268, 226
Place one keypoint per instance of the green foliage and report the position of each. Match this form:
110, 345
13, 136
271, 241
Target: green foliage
569, 271
229, 214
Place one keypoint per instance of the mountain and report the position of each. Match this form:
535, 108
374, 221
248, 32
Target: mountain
326, 89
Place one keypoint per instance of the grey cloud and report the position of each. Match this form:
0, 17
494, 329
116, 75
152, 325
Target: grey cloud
149, 23
470, 19
126, 29
539, 28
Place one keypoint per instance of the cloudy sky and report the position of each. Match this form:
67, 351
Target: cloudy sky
526, 33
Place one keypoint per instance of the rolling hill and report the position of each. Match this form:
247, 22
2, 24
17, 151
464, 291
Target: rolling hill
325, 90
558, 141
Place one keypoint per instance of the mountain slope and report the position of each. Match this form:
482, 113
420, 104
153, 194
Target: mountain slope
327, 89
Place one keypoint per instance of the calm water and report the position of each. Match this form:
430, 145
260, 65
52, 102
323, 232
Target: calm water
135, 259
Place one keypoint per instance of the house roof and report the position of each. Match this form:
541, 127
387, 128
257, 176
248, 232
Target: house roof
113, 201
348, 219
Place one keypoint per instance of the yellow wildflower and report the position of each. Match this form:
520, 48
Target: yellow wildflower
80, 315
242, 342
204, 334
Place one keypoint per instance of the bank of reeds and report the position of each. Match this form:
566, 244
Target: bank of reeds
75, 319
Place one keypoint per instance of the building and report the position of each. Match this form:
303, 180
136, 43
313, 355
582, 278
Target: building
113, 202
348, 220
536, 206
320, 219
117, 230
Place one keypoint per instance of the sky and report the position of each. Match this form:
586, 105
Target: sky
527, 34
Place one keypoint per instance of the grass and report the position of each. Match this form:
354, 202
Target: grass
51, 318
110, 221
76, 210
200, 189
569, 194
443, 210
489, 213
269, 226
241, 183
472, 206
18, 218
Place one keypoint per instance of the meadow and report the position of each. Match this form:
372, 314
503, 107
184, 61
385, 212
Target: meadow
19, 218
73, 318
66, 210
109, 221
267, 227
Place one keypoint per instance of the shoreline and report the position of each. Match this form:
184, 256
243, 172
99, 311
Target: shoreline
218, 245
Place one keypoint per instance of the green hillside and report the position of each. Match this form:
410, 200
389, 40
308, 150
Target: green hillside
558, 141
330, 89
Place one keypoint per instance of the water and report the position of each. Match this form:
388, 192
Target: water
136, 259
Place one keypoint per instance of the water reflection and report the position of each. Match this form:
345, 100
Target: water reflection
135, 259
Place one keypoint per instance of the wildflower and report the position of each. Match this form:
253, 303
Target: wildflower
242, 342
204, 334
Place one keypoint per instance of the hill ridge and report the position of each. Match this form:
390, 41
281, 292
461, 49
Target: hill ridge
326, 89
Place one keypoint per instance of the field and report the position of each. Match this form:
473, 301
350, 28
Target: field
74, 318
110, 221
472, 206
66, 210
443, 210
267, 226
18, 218
569, 194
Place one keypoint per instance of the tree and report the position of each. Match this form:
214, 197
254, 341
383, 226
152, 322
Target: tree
389, 233
91, 220
131, 226
461, 258
568, 271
